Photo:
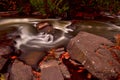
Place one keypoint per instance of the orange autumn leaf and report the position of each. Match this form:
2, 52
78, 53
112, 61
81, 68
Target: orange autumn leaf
13, 57
65, 55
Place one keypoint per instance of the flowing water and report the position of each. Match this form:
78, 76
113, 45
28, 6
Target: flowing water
32, 38
104, 29
34, 43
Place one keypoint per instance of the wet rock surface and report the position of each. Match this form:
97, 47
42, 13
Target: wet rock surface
5, 50
2, 62
6, 47
32, 58
20, 71
50, 71
87, 52
92, 51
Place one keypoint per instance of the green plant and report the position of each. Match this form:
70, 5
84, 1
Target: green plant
108, 5
38, 5
50, 7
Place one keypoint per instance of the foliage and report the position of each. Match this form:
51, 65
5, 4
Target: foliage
6, 5
109, 5
53, 8
103, 5
50, 7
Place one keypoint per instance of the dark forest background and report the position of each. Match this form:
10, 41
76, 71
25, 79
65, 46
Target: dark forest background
61, 8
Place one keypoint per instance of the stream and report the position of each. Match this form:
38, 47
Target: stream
34, 44
32, 38
104, 29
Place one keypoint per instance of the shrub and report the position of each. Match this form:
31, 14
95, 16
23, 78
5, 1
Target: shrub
52, 8
111, 6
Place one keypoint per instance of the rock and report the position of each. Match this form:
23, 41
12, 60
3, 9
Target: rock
92, 51
117, 38
32, 58
45, 27
58, 52
7, 37
116, 52
5, 50
8, 13
64, 71
20, 71
4, 76
50, 71
2, 62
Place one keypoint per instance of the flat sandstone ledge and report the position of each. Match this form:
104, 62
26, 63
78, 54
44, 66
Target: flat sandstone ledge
92, 51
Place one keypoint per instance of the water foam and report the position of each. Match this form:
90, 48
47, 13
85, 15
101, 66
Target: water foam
41, 38
27, 36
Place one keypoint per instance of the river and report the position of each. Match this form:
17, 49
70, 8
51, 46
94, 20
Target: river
29, 36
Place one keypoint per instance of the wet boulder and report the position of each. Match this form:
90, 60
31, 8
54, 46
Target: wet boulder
44, 27
20, 71
50, 70
5, 50
92, 51
2, 62
32, 57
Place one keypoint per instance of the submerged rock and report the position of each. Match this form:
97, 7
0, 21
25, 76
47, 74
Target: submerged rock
92, 51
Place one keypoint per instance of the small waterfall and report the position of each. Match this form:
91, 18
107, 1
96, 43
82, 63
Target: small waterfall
35, 41
30, 37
